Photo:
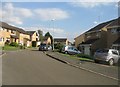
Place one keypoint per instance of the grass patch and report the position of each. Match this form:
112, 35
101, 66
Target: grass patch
10, 48
76, 57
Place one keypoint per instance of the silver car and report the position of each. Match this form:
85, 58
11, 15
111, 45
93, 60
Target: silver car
108, 55
70, 50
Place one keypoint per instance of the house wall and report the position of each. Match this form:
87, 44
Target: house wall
22, 38
112, 36
62, 42
92, 35
49, 41
4, 35
33, 37
67, 43
100, 43
79, 40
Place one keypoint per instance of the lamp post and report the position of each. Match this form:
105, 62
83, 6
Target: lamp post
53, 32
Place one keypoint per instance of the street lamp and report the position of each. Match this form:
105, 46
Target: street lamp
53, 32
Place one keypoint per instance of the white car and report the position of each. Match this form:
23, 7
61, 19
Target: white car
70, 50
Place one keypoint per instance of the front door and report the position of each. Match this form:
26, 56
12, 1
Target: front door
87, 50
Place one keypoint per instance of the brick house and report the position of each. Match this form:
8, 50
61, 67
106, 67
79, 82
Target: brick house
33, 37
61, 40
99, 37
9, 33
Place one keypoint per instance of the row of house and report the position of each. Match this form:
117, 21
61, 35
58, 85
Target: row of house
9, 33
104, 35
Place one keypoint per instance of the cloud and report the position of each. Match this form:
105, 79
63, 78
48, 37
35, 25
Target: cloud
56, 32
90, 4
14, 15
51, 13
24, 12
95, 22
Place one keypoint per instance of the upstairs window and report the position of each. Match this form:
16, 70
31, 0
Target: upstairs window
114, 31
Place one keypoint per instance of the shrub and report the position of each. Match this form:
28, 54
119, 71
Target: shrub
84, 56
59, 46
14, 44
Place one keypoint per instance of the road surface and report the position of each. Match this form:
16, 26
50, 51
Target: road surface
35, 68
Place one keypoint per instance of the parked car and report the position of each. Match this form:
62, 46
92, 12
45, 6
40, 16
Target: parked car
108, 55
70, 50
43, 47
49, 47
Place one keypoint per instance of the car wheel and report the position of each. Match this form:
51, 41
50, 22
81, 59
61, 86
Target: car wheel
66, 52
96, 61
111, 62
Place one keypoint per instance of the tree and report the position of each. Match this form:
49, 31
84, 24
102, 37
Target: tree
40, 35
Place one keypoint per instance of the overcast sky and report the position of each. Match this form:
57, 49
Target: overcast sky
61, 19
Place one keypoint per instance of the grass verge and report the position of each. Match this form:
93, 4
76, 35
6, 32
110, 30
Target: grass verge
75, 57
10, 48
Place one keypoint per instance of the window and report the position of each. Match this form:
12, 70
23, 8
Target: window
12, 31
7, 30
114, 31
0, 39
115, 52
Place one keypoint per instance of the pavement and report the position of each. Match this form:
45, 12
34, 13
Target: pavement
101, 69
32, 67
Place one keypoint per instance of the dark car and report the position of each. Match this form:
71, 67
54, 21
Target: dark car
43, 47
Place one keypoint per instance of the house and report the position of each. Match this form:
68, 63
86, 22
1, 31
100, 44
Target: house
47, 40
98, 37
61, 40
79, 39
116, 44
113, 34
9, 34
33, 37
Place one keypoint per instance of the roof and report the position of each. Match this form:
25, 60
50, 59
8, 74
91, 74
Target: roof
90, 41
115, 23
117, 41
30, 32
60, 39
100, 26
7, 26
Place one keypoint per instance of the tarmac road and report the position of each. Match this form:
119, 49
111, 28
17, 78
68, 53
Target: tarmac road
35, 68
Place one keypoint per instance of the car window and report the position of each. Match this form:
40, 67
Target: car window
115, 52
102, 51
70, 48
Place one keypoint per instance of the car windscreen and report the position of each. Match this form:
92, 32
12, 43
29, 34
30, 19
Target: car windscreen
43, 44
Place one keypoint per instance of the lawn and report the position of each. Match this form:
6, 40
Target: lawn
9, 48
79, 58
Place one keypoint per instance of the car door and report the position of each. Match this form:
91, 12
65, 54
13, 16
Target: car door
75, 51
115, 56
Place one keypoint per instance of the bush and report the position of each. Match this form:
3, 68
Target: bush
84, 56
14, 44
59, 46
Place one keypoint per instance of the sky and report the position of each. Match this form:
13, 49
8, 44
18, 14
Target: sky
61, 19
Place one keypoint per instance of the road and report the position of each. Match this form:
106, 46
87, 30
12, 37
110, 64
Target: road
35, 68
